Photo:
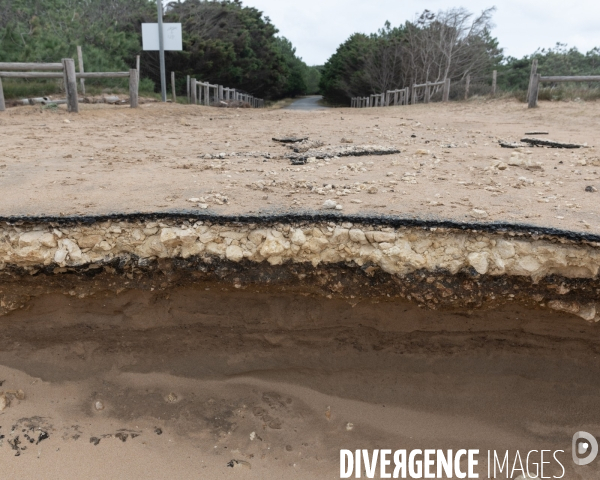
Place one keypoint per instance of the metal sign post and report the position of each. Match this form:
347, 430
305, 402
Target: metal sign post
162, 36
161, 48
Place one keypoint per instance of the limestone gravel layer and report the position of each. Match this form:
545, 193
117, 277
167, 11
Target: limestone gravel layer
398, 251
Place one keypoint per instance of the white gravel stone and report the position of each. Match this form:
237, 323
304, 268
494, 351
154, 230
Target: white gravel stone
234, 253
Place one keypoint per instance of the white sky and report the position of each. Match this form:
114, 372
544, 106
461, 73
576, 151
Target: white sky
317, 27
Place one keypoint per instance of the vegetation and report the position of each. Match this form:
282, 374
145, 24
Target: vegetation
224, 42
448, 44
559, 60
237, 46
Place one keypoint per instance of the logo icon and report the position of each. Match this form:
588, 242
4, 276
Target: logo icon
584, 443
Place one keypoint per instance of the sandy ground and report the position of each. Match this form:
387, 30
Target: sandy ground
115, 159
191, 379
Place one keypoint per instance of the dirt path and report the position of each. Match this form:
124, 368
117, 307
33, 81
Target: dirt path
157, 158
307, 104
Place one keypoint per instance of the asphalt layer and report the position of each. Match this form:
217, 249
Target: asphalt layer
383, 220
307, 103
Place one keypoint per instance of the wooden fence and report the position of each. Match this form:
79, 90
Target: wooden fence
536, 79
403, 96
66, 71
418, 92
204, 93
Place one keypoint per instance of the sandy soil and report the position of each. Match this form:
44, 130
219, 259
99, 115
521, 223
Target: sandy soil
115, 159
191, 379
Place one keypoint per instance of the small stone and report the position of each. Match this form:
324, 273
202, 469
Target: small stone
349, 426
479, 262
288, 448
234, 253
3, 402
158, 431
99, 405
329, 204
193, 199
502, 166
372, 189
203, 206
298, 237
356, 200
328, 413
66, 121
478, 213
171, 398
591, 189
252, 435
338, 207
421, 151
238, 464
347, 140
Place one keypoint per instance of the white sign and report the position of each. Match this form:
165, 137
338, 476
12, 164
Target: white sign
171, 36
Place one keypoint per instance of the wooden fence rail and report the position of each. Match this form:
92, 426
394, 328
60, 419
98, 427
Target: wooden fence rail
536, 79
30, 66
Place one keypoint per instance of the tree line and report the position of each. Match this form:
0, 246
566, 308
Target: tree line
224, 41
451, 44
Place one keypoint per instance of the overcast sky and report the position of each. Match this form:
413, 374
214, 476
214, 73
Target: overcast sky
317, 27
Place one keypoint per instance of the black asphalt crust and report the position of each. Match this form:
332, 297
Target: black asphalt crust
311, 217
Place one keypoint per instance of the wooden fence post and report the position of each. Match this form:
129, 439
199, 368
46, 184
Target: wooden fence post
220, 92
187, 86
494, 78
446, 92
137, 66
133, 88
71, 85
413, 94
467, 84
80, 59
531, 75
173, 87
535, 87
427, 92
206, 94
193, 90
2, 105
406, 95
